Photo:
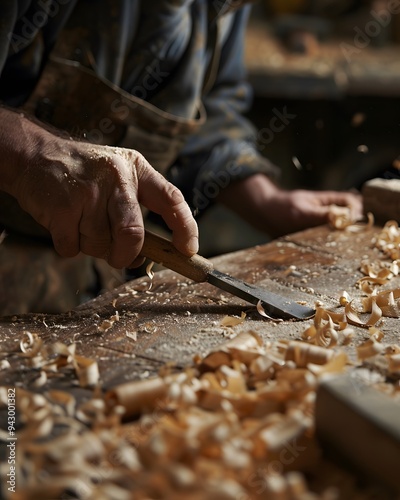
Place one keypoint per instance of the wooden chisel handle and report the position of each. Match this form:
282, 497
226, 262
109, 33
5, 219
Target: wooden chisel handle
163, 252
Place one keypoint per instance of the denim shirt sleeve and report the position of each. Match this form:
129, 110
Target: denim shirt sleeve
224, 149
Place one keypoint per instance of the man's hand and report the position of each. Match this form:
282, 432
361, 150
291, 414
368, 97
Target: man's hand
89, 197
280, 212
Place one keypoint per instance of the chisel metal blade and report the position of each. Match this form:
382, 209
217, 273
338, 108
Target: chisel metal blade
274, 305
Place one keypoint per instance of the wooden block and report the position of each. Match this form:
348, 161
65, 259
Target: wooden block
360, 426
382, 198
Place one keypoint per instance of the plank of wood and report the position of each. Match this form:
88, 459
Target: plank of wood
382, 198
360, 427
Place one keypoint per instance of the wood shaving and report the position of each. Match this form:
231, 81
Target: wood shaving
4, 364
262, 312
150, 274
394, 363
368, 349
53, 358
87, 371
341, 218
353, 317
344, 298
303, 354
132, 335
233, 320
388, 240
107, 324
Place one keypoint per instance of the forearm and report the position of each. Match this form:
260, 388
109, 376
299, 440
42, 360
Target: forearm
254, 192
278, 211
19, 138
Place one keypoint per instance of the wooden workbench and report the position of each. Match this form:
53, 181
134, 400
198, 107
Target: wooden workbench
177, 319
337, 70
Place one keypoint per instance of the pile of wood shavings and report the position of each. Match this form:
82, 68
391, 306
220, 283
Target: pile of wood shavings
385, 303
332, 328
388, 240
379, 272
55, 360
236, 425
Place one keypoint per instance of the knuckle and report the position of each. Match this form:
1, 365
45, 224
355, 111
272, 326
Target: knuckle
128, 162
126, 244
64, 246
174, 195
141, 164
135, 233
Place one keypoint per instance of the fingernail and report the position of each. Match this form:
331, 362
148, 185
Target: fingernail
193, 245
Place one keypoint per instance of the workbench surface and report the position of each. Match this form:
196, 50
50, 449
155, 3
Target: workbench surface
176, 319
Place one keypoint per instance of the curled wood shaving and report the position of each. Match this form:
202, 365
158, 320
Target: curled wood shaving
4, 364
369, 348
344, 298
323, 315
41, 379
139, 396
389, 302
336, 365
388, 240
54, 357
386, 301
394, 363
87, 371
353, 318
376, 334
325, 335
380, 271
341, 218
329, 329
30, 344
244, 347
150, 274
362, 226
107, 324
262, 312
287, 430
303, 354
233, 320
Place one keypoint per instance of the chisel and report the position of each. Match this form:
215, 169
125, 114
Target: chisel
201, 270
